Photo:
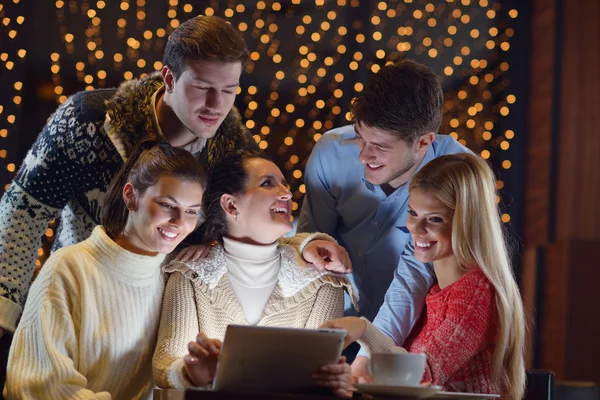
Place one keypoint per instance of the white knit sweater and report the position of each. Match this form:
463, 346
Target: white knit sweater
89, 325
199, 297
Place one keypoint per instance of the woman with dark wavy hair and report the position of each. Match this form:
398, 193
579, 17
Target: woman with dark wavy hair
252, 276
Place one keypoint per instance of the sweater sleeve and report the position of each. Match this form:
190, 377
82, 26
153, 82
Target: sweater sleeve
301, 240
470, 321
43, 359
375, 341
45, 182
178, 326
328, 305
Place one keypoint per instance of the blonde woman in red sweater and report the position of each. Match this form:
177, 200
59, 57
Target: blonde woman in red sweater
472, 330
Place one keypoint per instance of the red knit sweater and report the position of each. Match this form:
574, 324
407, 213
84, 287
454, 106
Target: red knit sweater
457, 332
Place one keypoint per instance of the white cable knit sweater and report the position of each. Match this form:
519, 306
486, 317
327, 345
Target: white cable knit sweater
199, 297
89, 326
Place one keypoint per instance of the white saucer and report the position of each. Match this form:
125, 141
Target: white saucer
419, 392
456, 395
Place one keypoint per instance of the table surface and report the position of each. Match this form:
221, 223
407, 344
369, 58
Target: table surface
174, 394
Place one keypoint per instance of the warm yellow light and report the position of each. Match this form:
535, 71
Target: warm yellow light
69, 37
250, 124
504, 111
506, 164
448, 70
288, 141
509, 134
290, 108
485, 154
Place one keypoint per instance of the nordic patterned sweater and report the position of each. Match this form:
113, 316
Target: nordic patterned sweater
67, 171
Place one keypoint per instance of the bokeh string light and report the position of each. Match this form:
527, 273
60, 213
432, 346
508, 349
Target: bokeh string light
309, 58
12, 58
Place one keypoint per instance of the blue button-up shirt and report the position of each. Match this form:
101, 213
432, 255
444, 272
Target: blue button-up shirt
339, 201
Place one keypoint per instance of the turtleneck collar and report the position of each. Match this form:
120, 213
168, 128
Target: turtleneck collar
251, 265
122, 264
250, 252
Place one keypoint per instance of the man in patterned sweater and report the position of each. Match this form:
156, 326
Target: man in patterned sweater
66, 173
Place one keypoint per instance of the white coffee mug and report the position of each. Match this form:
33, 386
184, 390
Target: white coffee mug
401, 369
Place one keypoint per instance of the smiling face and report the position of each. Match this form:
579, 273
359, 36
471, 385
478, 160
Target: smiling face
162, 216
264, 208
387, 159
430, 224
203, 95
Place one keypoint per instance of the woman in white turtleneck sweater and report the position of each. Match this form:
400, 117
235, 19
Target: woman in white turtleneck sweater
89, 326
251, 277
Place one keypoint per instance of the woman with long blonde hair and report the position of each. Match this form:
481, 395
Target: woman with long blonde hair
473, 328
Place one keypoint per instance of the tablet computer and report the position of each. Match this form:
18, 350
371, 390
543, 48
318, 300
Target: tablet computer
266, 359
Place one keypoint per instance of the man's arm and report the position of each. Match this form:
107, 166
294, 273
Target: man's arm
405, 297
319, 207
40, 190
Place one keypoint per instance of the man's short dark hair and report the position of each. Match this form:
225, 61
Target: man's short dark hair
405, 99
204, 38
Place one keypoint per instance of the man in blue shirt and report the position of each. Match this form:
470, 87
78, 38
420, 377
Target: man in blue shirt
357, 190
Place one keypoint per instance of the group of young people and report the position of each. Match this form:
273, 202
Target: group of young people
399, 226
